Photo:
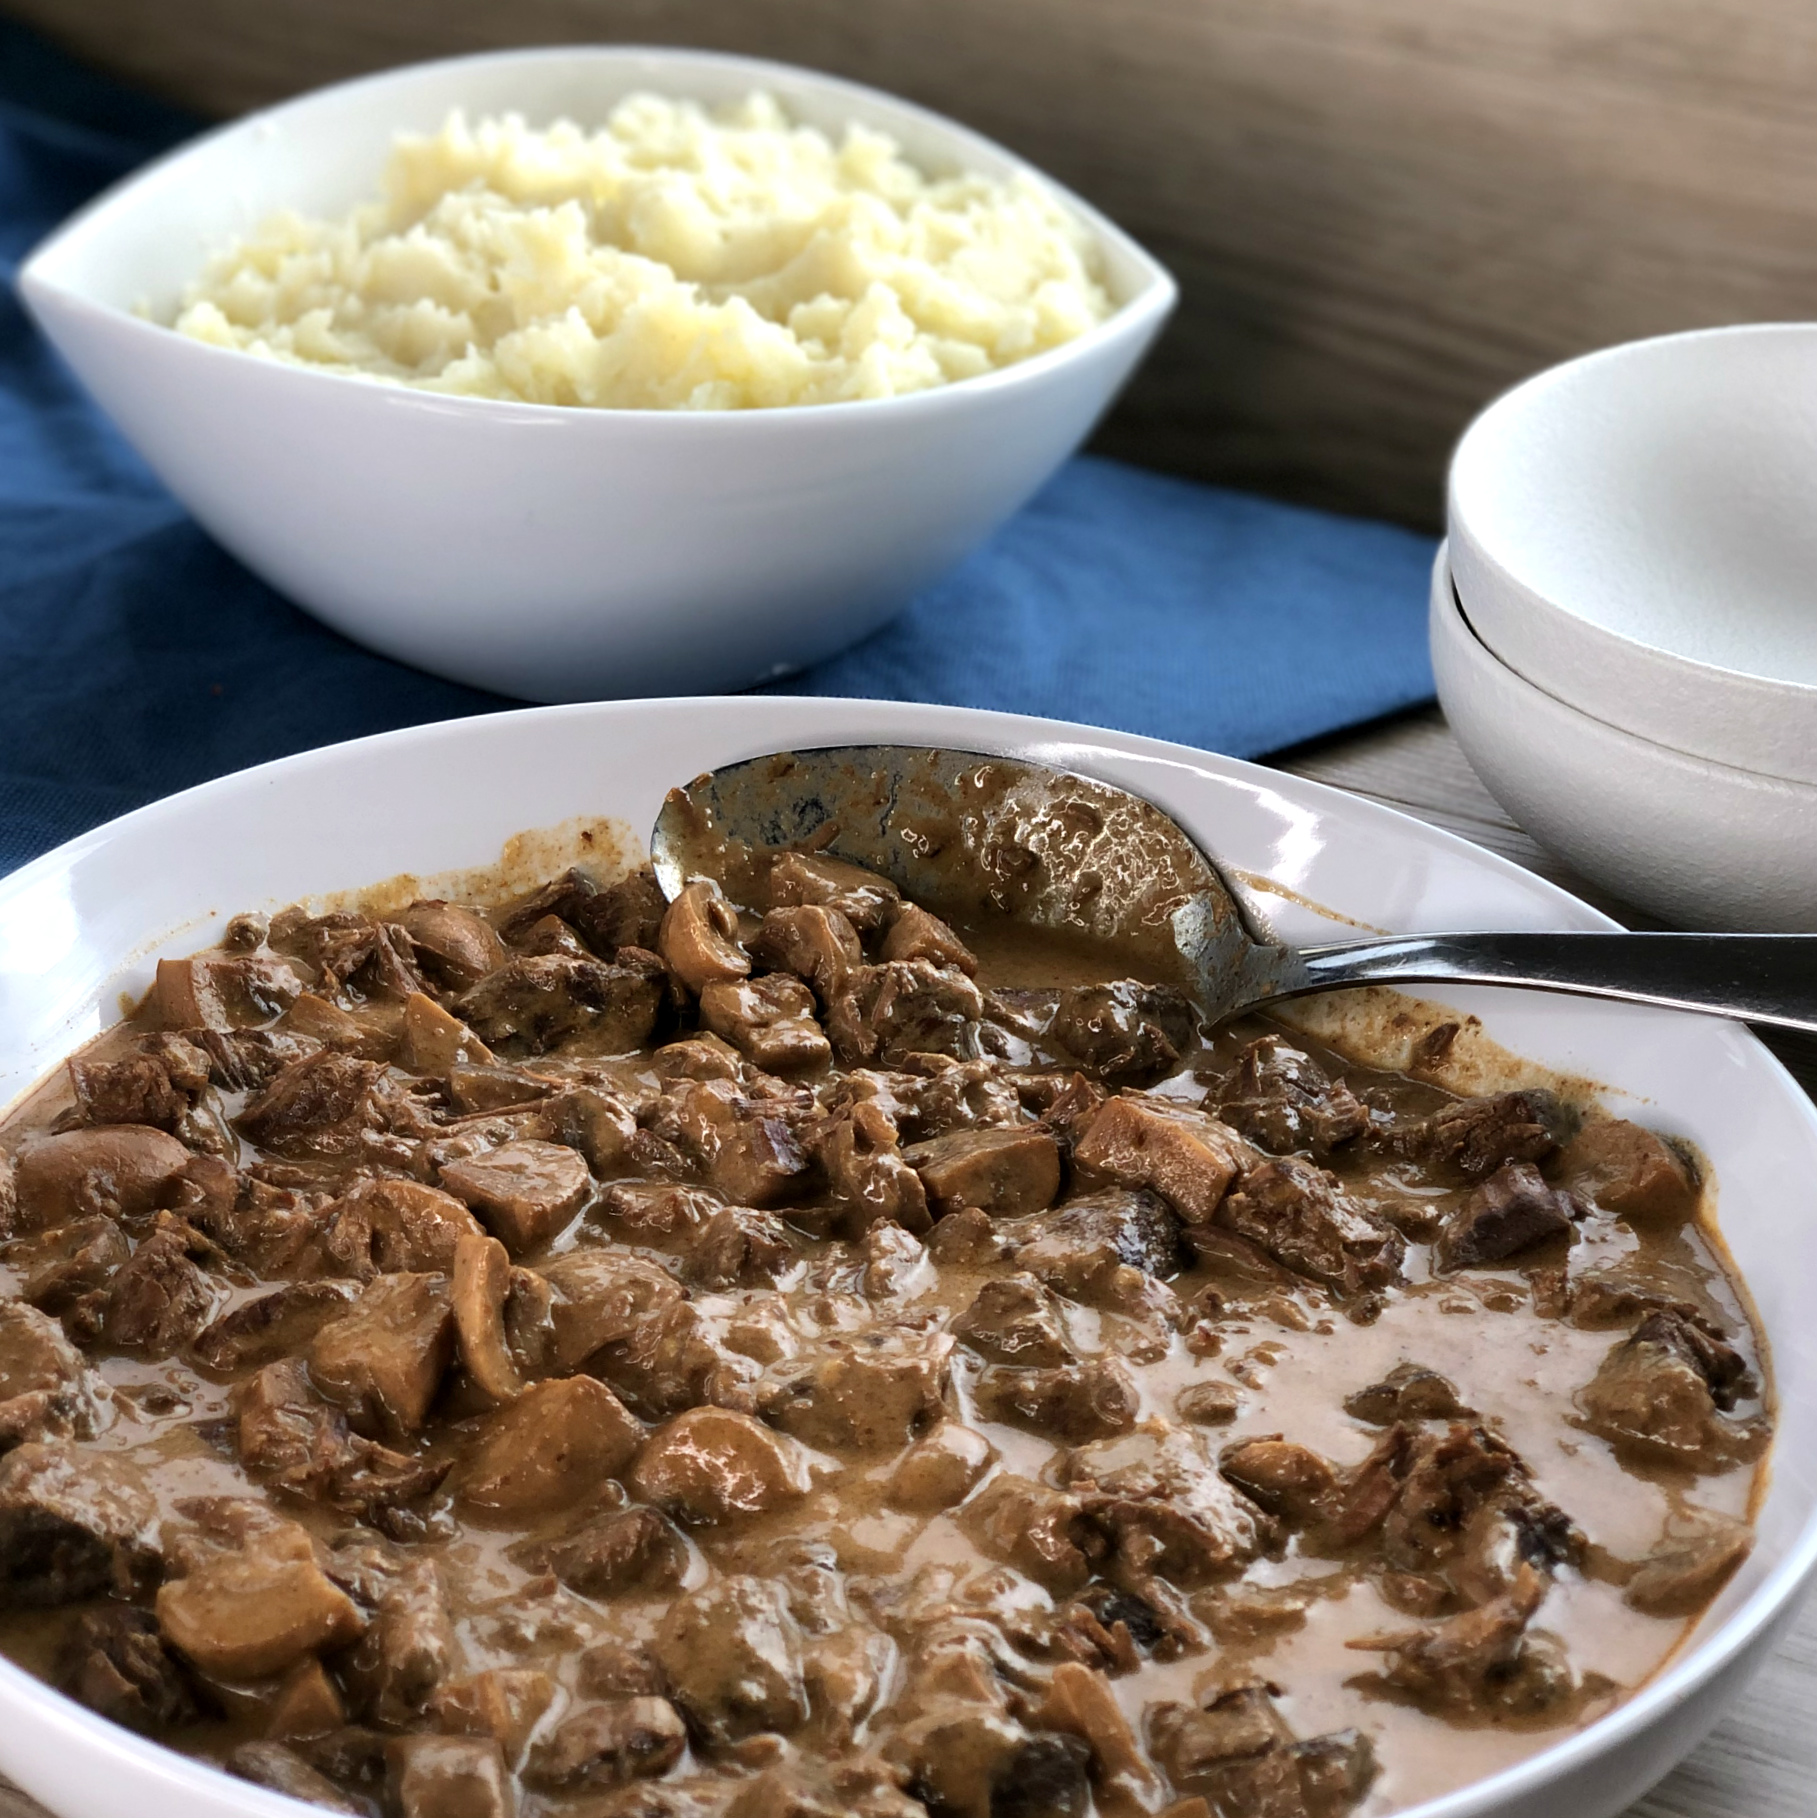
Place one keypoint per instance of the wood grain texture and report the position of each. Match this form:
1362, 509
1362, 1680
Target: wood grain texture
1382, 211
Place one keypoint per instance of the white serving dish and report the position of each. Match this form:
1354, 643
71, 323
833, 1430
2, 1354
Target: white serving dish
1634, 533
86, 922
552, 553
1701, 844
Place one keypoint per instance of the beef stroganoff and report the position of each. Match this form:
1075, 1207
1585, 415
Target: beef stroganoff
588, 1354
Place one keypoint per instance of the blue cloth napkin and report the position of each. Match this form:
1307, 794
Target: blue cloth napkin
137, 658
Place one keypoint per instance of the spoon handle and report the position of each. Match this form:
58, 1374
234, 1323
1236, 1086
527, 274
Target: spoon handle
1761, 978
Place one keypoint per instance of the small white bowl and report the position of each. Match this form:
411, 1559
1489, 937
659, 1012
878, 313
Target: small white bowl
1701, 844
554, 553
1636, 533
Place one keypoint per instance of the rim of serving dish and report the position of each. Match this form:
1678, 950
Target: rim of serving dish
1672, 1686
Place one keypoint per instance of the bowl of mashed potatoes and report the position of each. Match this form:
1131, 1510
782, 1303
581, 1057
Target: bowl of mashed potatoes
599, 371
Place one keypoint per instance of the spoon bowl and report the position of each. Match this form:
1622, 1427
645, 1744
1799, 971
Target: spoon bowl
1000, 845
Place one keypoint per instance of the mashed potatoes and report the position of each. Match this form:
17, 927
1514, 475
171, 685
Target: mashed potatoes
674, 260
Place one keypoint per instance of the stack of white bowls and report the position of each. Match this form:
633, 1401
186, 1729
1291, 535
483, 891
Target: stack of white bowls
1624, 619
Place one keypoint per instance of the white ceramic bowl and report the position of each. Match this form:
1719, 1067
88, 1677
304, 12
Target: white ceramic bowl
551, 553
1636, 533
1701, 844
87, 921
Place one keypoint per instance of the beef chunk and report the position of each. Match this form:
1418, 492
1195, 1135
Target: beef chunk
159, 1299
555, 1444
157, 1083
1303, 1219
813, 942
1237, 1753
658, 1213
1159, 1498
46, 1390
275, 1324
1476, 1136
222, 991
346, 947
866, 900
1190, 1159
524, 1192
1074, 1403
1408, 1392
625, 914
731, 1653
320, 1105
531, 1005
886, 1013
940, 1469
698, 939
1087, 1248
872, 1392
278, 1766
1423, 1490
1513, 1211
409, 1646
287, 1433
66, 1269
1479, 1663
608, 1744
768, 1020
1279, 1096
1660, 1391
867, 1171
120, 1171
603, 1299
114, 1661
1005, 1172
248, 1060
384, 1359
749, 1148
1630, 1171
670, 1358
742, 1248
389, 1226
1042, 1532
561, 896
74, 1524
257, 1603
1123, 1031
1015, 1320
714, 1464
1698, 1554
625, 1550
449, 1777
454, 944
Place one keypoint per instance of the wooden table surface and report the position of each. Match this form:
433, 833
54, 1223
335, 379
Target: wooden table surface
1762, 1761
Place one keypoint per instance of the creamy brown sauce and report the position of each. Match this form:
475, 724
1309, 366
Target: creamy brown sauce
1516, 1337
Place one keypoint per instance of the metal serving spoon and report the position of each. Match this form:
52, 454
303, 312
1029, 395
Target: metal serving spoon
991, 839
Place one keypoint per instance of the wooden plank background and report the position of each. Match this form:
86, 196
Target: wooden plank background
1382, 211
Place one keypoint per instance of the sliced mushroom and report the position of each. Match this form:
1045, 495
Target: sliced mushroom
458, 945
436, 1042
699, 937
482, 1282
